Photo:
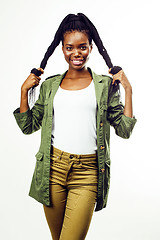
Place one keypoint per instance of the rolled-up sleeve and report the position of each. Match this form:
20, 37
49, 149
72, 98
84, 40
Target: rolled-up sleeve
122, 124
31, 120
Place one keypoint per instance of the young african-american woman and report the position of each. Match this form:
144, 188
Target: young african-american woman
74, 111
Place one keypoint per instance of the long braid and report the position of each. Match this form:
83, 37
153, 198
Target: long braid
49, 52
99, 44
52, 47
74, 22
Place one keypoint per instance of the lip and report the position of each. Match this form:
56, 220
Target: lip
77, 62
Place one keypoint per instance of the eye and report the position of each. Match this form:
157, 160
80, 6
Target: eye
83, 48
68, 48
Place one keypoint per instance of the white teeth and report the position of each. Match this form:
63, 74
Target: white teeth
77, 62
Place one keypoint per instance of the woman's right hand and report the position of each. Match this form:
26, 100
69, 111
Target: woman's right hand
31, 81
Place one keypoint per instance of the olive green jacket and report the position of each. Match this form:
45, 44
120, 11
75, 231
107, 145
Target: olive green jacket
109, 112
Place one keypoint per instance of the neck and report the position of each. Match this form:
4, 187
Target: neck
73, 73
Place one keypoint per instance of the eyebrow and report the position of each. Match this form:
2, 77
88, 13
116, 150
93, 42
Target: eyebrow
79, 44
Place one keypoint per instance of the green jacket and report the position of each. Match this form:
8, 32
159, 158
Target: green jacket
109, 112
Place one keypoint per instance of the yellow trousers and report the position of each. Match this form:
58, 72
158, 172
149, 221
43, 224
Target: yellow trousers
73, 188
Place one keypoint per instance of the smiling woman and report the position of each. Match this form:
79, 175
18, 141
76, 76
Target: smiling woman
74, 111
76, 49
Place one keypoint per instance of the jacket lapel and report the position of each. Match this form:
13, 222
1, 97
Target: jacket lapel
55, 84
53, 89
97, 79
99, 86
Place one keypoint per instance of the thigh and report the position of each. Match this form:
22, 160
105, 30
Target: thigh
55, 213
78, 214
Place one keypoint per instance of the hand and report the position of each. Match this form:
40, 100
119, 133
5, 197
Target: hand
122, 78
31, 81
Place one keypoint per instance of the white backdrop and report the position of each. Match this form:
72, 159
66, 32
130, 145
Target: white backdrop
130, 32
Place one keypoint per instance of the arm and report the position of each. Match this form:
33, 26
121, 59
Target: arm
31, 81
30, 120
24, 106
119, 116
128, 112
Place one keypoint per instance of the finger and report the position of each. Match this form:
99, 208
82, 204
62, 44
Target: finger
113, 81
36, 81
38, 78
41, 69
119, 74
109, 71
37, 72
34, 77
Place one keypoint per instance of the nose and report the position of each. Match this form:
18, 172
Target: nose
77, 53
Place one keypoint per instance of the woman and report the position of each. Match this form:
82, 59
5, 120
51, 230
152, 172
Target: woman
74, 111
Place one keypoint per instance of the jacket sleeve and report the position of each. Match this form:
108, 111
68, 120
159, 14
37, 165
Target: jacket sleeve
31, 120
122, 124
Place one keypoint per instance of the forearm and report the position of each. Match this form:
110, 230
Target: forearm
24, 101
128, 109
31, 81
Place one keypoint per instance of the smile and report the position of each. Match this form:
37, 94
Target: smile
77, 62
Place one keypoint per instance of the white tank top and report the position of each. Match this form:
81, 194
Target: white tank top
74, 120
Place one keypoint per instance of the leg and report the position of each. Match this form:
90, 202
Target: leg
78, 213
55, 213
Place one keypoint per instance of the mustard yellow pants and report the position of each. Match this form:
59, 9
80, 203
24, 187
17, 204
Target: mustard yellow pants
73, 188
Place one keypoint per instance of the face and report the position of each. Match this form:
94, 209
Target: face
76, 49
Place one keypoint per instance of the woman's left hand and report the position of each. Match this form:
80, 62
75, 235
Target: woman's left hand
128, 91
122, 78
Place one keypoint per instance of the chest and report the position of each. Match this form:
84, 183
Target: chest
75, 84
83, 100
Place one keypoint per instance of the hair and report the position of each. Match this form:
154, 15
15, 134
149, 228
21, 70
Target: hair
81, 23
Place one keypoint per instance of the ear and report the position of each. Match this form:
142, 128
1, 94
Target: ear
91, 47
62, 48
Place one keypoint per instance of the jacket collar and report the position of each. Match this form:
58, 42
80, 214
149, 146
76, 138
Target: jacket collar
96, 78
99, 86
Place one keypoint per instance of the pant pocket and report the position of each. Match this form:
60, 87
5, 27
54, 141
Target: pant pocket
89, 165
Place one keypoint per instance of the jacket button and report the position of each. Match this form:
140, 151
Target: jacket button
102, 147
101, 124
102, 170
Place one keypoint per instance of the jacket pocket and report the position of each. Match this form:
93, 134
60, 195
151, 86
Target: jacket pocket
39, 167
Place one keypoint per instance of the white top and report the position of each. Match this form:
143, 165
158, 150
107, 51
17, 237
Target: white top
74, 120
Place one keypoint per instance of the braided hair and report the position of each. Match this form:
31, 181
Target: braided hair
80, 23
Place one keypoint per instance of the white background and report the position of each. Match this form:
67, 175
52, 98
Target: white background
130, 32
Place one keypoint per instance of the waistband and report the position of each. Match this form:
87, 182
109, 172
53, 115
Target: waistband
70, 155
